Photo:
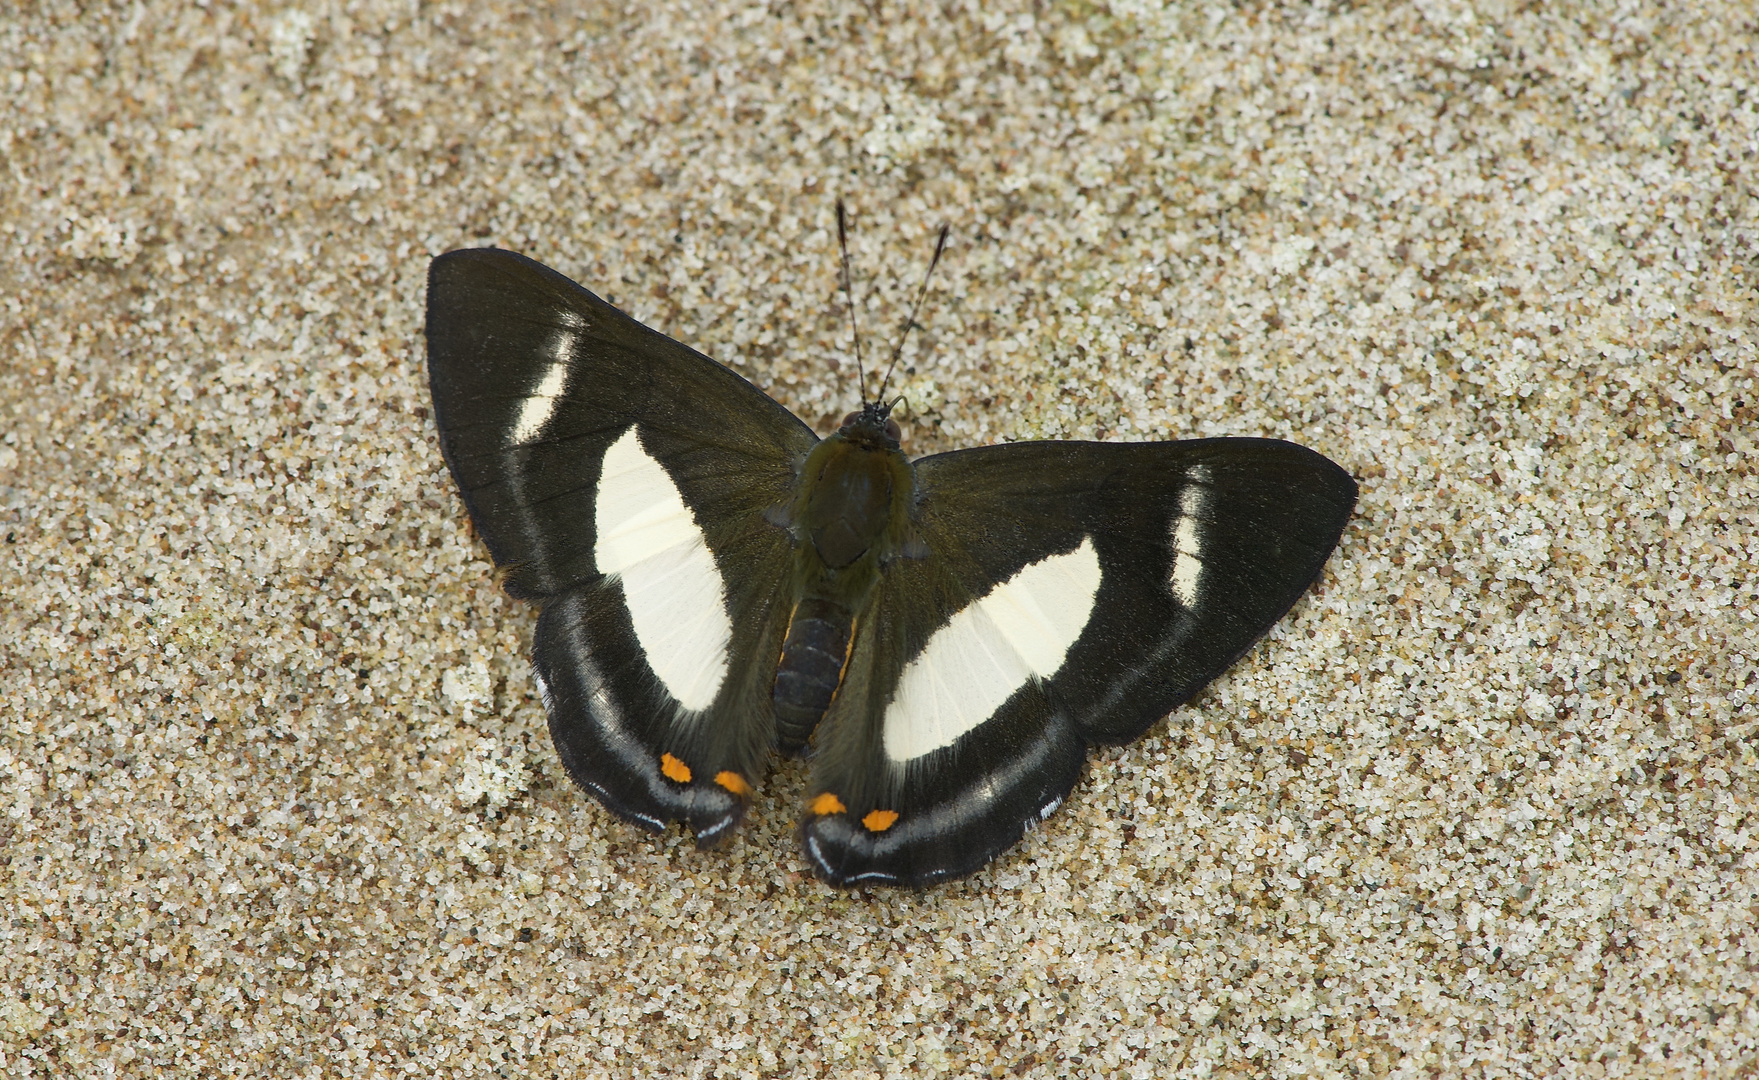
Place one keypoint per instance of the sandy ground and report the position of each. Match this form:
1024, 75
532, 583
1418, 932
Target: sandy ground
277, 796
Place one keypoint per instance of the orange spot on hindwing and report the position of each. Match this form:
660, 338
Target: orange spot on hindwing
674, 769
733, 782
880, 820
828, 804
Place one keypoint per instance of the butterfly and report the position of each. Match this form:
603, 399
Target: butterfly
944, 637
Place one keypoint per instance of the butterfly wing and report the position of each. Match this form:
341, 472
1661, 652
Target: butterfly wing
621, 480
1072, 593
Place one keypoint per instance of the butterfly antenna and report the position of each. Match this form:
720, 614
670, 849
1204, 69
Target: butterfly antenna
849, 294
940, 245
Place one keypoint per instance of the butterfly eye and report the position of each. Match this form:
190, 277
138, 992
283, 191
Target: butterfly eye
892, 431
850, 419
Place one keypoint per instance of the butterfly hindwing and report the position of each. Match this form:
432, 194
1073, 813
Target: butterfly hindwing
622, 480
1071, 593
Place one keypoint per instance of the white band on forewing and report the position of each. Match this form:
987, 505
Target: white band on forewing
540, 404
649, 539
1187, 540
970, 667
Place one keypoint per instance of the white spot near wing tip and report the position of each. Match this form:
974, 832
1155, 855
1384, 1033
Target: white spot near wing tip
1021, 630
1187, 569
650, 541
543, 690
1187, 540
541, 401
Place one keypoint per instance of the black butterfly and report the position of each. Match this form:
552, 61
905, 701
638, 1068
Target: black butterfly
948, 635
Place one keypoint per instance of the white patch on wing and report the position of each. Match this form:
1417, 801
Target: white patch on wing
649, 539
1187, 542
541, 401
1021, 630
543, 691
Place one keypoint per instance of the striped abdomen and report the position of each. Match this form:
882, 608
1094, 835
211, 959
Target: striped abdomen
810, 670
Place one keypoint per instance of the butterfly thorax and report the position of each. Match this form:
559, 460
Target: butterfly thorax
856, 496
850, 518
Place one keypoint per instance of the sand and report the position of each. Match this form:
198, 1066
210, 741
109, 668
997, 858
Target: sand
276, 793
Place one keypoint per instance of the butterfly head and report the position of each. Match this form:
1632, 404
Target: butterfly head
873, 425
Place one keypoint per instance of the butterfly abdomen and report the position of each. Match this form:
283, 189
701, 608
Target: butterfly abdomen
848, 518
810, 669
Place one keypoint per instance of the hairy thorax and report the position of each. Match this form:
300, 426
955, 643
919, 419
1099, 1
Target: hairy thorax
851, 517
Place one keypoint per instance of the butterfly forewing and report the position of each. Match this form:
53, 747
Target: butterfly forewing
621, 479
533, 379
1202, 546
